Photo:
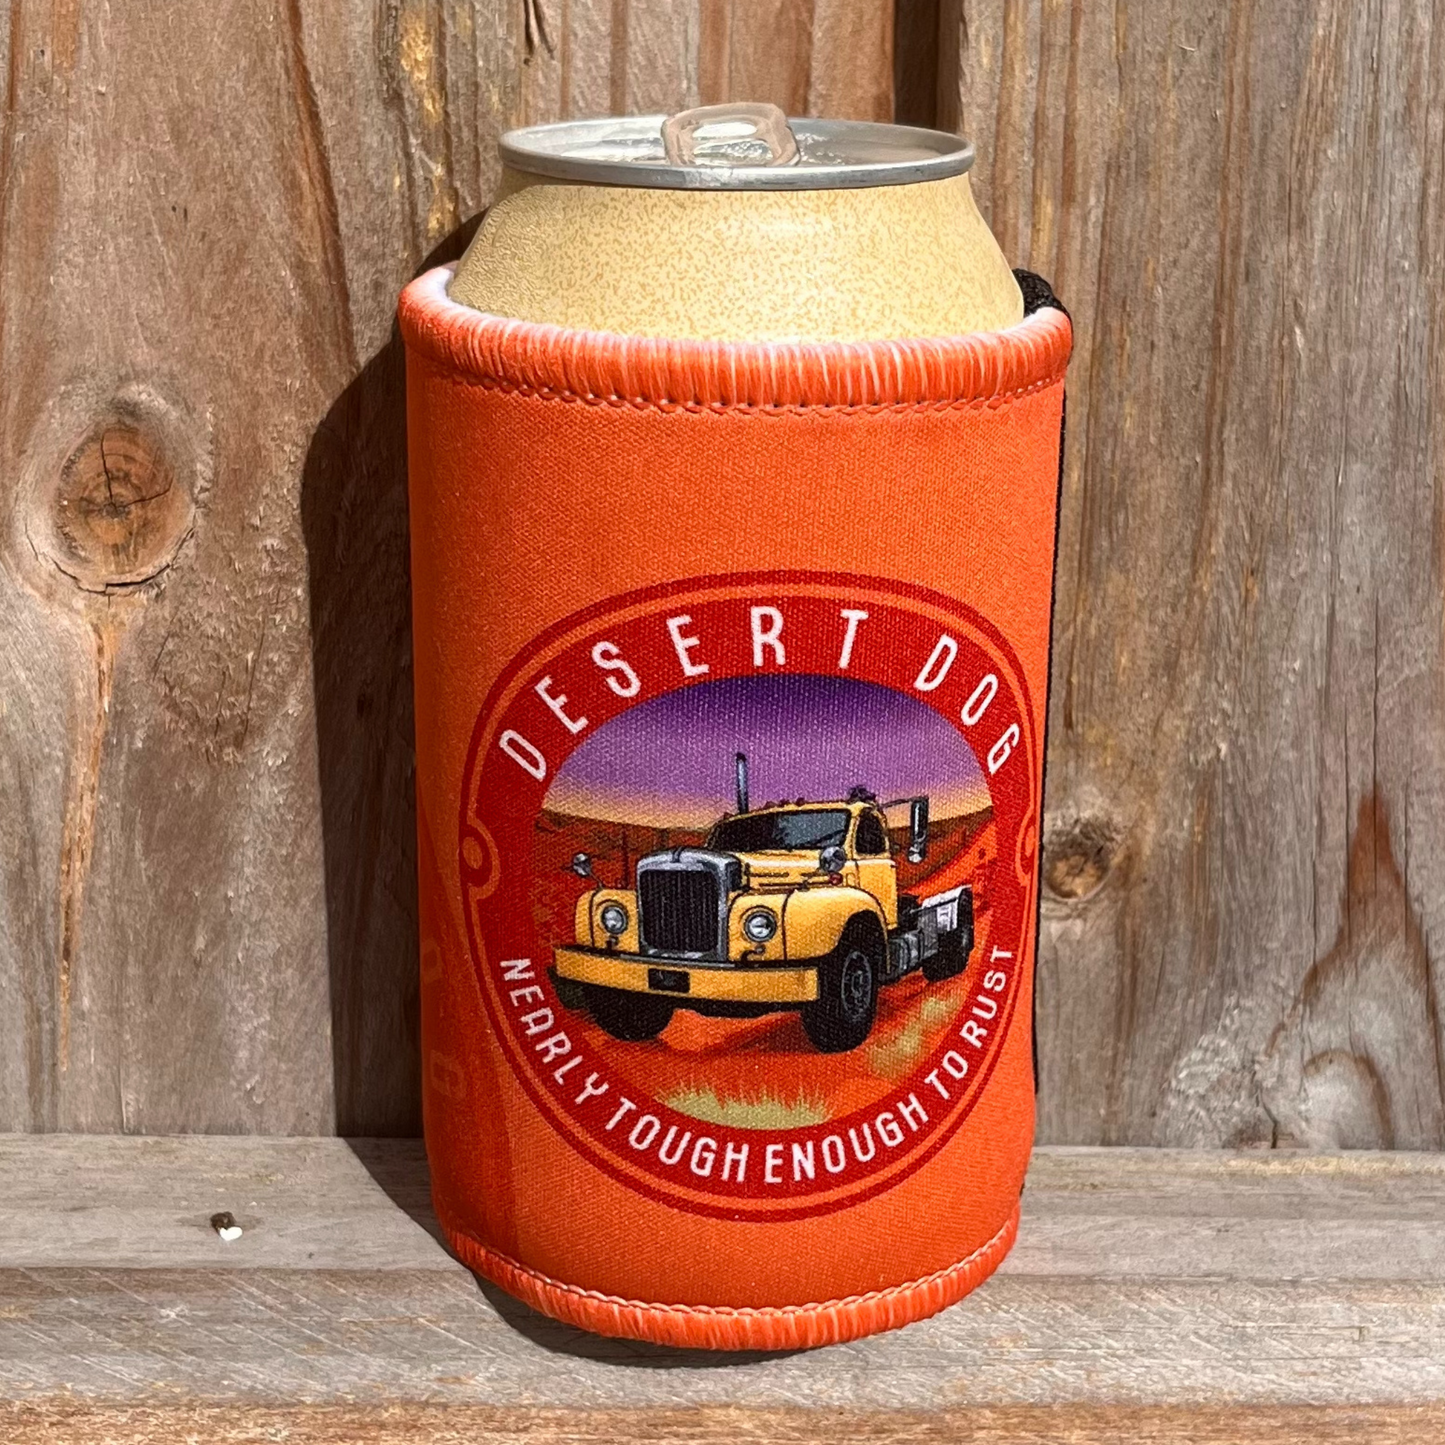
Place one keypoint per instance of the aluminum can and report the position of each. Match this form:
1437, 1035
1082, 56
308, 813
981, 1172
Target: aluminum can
871, 233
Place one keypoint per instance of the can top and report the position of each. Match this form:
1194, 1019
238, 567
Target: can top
735, 147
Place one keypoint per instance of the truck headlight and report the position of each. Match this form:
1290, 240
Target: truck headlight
760, 924
613, 918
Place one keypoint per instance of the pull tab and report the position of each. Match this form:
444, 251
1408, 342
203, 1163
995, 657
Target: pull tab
737, 129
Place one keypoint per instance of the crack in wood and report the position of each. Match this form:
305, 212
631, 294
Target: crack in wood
78, 831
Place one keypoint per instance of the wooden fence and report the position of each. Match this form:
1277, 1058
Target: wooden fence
207, 902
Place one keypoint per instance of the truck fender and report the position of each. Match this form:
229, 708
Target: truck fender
585, 925
814, 919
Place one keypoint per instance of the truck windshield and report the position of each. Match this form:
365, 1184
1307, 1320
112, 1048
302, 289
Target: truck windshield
780, 832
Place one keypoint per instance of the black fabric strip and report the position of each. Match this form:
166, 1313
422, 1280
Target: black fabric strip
1037, 293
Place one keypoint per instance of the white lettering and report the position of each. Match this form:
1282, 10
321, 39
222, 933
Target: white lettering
909, 1108
640, 1128
979, 699
704, 1156
769, 636
684, 645
858, 1153
772, 1164
939, 661
553, 1047
731, 1154
538, 1021
608, 656
803, 1162
854, 617
523, 754
622, 1110
667, 1144
833, 1157
1000, 752
559, 707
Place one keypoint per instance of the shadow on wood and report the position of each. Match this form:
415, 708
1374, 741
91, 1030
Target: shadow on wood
402, 1175
354, 518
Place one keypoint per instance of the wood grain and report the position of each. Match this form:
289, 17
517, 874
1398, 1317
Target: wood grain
481, 1425
1245, 847
1155, 1294
141, 1203
207, 897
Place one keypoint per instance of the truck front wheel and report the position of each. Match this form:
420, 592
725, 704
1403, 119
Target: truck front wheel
847, 1001
629, 1016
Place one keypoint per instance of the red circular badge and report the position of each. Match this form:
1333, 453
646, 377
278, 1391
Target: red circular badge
748, 867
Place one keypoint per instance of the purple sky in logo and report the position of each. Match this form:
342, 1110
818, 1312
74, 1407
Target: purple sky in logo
668, 762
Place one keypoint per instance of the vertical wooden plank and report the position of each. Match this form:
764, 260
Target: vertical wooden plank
920, 69
171, 956
586, 57
770, 52
653, 48
811, 57
1244, 857
850, 70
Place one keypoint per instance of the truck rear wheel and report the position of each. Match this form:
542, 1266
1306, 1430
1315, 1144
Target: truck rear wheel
629, 1016
847, 991
953, 952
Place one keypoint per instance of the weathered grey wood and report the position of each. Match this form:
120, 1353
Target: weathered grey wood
1307, 1288
110, 1201
720, 1425
1245, 849
207, 897
135, 1203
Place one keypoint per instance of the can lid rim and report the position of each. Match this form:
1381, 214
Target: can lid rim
834, 155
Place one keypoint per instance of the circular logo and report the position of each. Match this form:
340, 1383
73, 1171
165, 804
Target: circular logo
748, 872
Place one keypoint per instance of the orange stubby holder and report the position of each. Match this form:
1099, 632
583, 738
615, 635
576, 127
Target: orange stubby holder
731, 677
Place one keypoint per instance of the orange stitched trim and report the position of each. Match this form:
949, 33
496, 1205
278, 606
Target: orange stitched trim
641, 371
667, 404
729, 1327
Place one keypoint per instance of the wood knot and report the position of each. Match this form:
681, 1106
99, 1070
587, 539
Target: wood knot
122, 505
1079, 854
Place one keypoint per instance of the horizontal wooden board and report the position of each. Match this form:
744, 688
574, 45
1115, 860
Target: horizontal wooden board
1165, 1294
363, 1204
651, 1425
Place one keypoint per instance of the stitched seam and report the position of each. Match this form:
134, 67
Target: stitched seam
479, 349
751, 1312
698, 408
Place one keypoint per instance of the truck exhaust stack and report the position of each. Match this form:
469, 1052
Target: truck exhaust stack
742, 766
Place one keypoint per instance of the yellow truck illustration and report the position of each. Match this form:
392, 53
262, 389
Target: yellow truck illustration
787, 906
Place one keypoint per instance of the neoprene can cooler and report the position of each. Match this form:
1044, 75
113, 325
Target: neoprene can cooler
734, 453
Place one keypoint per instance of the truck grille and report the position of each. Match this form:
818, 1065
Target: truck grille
679, 909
